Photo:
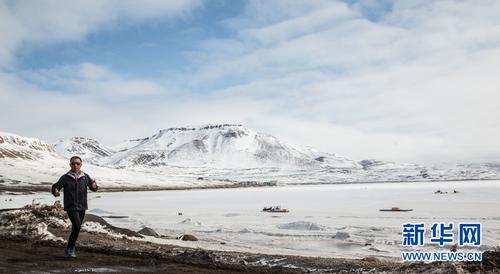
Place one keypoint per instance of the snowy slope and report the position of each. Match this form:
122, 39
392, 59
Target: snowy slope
88, 149
29, 162
220, 146
209, 156
19, 147
128, 144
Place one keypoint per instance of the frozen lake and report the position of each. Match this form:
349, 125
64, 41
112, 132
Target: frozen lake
324, 220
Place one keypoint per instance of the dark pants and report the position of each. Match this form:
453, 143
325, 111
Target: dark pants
76, 218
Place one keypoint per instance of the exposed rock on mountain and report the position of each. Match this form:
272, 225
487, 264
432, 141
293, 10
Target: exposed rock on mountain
219, 145
15, 146
88, 149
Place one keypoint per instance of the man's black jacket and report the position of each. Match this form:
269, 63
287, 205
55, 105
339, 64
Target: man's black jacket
75, 190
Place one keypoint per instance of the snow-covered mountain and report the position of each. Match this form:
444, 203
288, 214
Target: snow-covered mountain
31, 164
207, 156
15, 146
221, 146
88, 149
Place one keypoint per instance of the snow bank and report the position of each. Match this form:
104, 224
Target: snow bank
190, 221
25, 224
301, 225
341, 235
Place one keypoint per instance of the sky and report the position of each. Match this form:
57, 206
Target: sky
404, 81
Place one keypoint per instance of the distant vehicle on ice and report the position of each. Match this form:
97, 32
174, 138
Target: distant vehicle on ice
397, 209
275, 209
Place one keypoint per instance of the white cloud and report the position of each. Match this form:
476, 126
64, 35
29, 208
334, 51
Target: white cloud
47, 22
412, 83
28, 110
95, 80
421, 72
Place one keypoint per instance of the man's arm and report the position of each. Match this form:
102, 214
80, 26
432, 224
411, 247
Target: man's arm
57, 186
92, 185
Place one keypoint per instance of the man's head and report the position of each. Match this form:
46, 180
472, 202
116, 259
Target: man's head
75, 163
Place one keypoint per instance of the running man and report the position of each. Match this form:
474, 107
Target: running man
74, 183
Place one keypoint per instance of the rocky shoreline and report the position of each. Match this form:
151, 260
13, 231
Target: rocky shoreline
37, 233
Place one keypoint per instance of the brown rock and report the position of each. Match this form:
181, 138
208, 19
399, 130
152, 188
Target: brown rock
188, 237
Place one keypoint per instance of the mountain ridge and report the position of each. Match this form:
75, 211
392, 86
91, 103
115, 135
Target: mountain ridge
183, 156
17, 146
219, 145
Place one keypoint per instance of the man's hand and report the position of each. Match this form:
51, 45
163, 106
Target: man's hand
93, 185
56, 193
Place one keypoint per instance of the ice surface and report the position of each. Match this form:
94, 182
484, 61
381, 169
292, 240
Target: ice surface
99, 211
341, 210
352, 225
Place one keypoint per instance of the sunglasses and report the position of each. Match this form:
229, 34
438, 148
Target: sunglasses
75, 164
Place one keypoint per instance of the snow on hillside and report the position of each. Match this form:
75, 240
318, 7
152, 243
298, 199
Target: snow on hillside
29, 162
128, 144
20, 147
40, 175
219, 146
208, 156
88, 149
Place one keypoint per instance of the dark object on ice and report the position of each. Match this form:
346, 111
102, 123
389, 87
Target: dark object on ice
180, 213
148, 232
275, 209
187, 237
446, 192
440, 192
396, 209
115, 217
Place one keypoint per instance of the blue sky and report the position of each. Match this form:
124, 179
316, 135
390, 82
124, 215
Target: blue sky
406, 81
149, 48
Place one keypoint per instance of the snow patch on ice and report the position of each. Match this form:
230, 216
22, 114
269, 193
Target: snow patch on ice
190, 221
98, 228
100, 211
302, 225
245, 230
340, 235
